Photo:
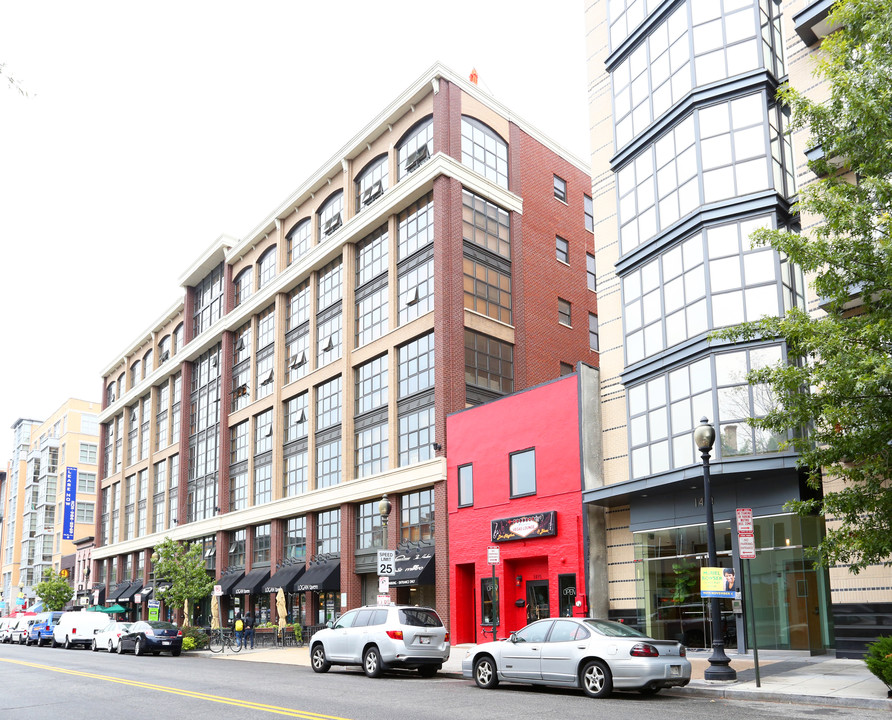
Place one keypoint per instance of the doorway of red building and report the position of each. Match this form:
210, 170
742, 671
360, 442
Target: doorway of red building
538, 606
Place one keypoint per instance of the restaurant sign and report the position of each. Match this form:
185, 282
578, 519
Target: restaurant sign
525, 527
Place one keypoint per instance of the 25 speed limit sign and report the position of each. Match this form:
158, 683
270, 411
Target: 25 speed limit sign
386, 562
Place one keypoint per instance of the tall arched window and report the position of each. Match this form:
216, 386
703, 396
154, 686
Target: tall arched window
371, 183
331, 214
298, 239
266, 267
484, 151
244, 285
416, 147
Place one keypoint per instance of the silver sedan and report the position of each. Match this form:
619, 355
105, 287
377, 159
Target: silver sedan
596, 655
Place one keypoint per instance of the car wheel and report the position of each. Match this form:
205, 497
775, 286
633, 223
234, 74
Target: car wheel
39, 640
120, 647
371, 662
137, 647
317, 659
93, 646
485, 674
111, 646
67, 644
596, 679
28, 641
428, 671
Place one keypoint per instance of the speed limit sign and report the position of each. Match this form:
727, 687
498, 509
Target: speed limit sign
386, 562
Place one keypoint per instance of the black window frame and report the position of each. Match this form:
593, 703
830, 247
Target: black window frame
512, 489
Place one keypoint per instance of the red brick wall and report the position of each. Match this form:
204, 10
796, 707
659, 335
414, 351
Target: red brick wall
539, 278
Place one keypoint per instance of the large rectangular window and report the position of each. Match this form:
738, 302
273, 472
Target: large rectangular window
486, 225
489, 601
465, 485
712, 279
489, 363
523, 473
487, 288
664, 410
417, 516
88, 452
368, 526
296, 538
328, 532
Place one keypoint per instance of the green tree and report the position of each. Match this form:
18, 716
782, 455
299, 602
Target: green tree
183, 567
53, 590
837, 396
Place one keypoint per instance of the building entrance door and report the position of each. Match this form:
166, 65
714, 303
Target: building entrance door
537, 600
803, 611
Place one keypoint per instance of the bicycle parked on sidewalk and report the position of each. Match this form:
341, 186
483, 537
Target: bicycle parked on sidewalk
220, 639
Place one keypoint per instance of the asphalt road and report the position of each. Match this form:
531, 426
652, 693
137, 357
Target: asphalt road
52, 684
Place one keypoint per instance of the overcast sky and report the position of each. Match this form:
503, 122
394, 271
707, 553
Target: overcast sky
151, 128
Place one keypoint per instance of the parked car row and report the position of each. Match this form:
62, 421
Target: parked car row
94, 630
598, 656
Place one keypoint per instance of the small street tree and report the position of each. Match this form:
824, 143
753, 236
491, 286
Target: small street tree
183, 567
837, 393
53, 590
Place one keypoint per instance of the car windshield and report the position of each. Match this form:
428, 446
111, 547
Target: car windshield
613, 629
419, 618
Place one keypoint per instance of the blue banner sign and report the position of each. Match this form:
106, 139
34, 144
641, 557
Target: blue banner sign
70, 503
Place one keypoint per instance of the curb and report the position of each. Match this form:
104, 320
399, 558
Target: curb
775, 697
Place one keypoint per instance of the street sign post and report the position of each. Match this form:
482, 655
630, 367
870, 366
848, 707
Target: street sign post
387, 562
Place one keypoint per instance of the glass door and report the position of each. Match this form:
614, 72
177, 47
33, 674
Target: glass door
537, 600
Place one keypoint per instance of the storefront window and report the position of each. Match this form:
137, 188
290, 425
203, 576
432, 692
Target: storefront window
790, 597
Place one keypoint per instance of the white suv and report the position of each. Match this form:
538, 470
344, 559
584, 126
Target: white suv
378, 638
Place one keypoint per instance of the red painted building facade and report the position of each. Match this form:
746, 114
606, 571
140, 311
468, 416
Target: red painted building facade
514, 485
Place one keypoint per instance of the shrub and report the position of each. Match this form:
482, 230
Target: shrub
194, 638
879, 660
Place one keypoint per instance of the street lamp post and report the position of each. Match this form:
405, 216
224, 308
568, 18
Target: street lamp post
719, 663
384, 507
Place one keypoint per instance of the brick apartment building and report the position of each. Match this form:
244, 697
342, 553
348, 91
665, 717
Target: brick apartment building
442, 258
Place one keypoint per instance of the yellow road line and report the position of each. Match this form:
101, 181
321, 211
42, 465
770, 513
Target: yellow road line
179, 691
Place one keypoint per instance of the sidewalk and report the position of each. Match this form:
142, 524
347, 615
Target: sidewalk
785, 677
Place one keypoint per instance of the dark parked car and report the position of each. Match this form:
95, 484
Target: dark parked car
152, 636
42, 628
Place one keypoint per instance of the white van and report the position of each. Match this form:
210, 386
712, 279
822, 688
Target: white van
77, 628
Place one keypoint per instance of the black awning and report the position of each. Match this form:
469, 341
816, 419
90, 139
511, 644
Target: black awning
228, 581
414, 568
147, 591
118, 590
253, 582
161, 586
285, 578
320, 578
134, 588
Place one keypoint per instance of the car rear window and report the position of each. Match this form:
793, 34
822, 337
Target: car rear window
419, 617
613, 629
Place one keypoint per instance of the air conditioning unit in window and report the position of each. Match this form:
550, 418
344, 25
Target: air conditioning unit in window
332, 224
417, 158
370, 194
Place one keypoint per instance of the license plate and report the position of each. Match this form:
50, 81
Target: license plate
424, 640
165, 642
675, 670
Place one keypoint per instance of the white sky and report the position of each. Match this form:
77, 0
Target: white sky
154, 127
